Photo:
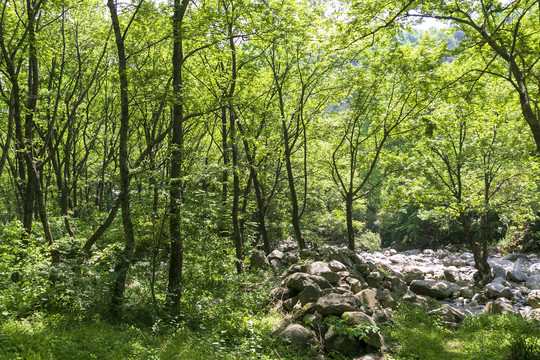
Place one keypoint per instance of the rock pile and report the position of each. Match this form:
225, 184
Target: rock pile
328, 290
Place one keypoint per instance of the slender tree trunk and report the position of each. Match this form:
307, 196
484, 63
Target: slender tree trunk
237, 233
349, 216
177, 159
479, 250
261, 212
226, 150
122, 267
292, 190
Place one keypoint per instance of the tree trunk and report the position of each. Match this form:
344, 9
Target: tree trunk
292, 190
122, 267
177, 158
350, 229
479, 250
237, 233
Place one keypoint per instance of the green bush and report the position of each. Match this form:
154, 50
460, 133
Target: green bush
369, 240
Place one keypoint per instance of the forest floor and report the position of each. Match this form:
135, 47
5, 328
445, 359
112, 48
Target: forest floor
235, 319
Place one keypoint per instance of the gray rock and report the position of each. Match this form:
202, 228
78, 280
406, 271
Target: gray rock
374, 279
460, 262
307, 254
449, 260
289, 304
398, 259
534, 299
498, 307
451, 276
276, 254
498, 271
322, 269
515, 256
369, 357
314, 321
383, 316
358, 318
343, 256
534, 269
533, 315
506, 293
516, 275
438, 289
259, 261
466, 293
282, 293
275, 264
298, 337
336, 266
335, 341
411, 273
310, 294
493, 289
368, 298
479, 298
336, 304
533, 282
290, 258
299, 281
449, 314
294, 269
355, 284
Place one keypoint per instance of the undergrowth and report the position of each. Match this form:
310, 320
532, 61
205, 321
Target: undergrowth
415, 335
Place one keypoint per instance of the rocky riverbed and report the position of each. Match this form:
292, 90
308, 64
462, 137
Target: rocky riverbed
320, 285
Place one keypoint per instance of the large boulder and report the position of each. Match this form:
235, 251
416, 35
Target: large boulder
534, 299
298, 337
498, 307
498, 272
368, 298
533, 315
533, 282
343, 256
337, 266
336, 304
342, 343
372, 338
310, 294
276, 254
493, 290
451, 275
411, 273
299, 281
321, 268
355, 284
516, 275
438, 289
375, 279
259, 261
449, 315
534, 269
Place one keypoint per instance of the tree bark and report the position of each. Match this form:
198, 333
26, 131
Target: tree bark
479, 250
123, 265
177, 159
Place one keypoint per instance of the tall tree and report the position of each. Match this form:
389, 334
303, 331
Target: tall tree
177, 144
503, 36
122, 267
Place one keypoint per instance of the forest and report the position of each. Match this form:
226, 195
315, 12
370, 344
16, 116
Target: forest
150, 151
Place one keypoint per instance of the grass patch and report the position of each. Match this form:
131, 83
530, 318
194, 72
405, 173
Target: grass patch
63, 339
416, 335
